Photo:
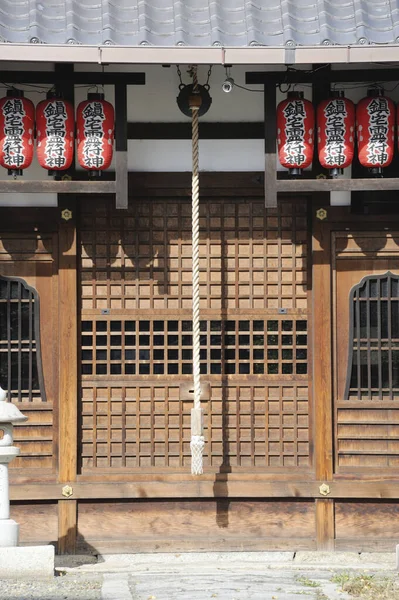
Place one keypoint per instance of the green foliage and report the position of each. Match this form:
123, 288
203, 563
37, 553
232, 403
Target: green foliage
367, 587
308, 582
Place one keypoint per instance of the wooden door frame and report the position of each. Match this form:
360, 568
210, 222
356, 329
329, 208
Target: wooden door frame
326, 220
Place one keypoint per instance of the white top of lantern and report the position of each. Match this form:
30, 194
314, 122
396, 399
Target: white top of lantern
9, 413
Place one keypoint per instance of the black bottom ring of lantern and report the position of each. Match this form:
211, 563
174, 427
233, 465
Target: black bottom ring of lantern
376, 171
335, 172
94, 174
15, 172
295, 172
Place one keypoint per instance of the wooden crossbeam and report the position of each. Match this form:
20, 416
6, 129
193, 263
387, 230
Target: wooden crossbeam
337, 185
60, 187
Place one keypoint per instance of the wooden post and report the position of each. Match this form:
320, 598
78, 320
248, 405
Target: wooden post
321, 89
68, 386
121, 167
270, 145
322, 368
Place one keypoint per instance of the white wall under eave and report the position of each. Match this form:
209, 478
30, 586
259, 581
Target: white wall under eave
215, 155
155, 102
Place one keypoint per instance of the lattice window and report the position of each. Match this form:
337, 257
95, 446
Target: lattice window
373, 363
20, 358
231, 347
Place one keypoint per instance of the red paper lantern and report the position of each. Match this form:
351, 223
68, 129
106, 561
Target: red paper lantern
95, 133
295, 131
17, 120
55, 131
336, 133
375, 127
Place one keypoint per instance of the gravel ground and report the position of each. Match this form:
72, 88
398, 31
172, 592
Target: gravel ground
71, 586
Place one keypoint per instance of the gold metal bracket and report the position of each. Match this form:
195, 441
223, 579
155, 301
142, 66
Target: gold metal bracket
324, 489
321, 214
67, 491
66, 214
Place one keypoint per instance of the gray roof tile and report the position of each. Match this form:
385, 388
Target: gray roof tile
200, 22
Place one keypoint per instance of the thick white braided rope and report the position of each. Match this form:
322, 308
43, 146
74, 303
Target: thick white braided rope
197, 441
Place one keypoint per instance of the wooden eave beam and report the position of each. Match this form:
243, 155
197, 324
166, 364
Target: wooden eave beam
75, 77
322, 74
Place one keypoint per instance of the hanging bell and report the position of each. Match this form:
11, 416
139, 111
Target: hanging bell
186, 95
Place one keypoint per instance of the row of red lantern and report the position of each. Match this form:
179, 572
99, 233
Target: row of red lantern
336, 117
55, 132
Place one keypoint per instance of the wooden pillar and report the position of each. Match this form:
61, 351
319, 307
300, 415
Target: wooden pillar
325, 531
322, 371
68, 385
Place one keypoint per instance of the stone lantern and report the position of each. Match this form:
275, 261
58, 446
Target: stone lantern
9, 415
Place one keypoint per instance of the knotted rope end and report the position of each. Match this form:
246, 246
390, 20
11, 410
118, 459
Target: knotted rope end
197, 446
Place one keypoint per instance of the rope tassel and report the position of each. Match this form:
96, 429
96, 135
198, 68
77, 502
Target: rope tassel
197, 438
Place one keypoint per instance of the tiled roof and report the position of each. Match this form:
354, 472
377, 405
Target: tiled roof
200, 22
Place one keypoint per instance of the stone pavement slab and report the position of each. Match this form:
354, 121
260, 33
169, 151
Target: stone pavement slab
228, 584
198, 576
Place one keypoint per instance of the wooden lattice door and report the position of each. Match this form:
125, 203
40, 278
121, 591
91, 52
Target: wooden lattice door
136, 343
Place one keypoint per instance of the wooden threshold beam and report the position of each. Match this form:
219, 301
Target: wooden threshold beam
60, 187
207, 487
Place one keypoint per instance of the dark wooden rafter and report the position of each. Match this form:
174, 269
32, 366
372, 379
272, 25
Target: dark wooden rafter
253, 130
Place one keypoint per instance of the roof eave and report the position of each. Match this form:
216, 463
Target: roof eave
254, 55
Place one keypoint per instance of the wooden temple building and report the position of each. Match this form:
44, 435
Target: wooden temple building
298, 281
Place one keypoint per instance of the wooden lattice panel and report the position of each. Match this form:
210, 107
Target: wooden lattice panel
136, 335
149, 426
